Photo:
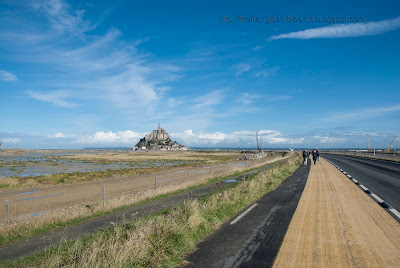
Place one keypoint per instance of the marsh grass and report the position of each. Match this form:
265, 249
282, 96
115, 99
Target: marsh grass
22, 228
161, 240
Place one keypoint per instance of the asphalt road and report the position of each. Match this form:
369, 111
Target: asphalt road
381, 177
254, 239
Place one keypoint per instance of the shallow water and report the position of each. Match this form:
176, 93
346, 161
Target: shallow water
36, 165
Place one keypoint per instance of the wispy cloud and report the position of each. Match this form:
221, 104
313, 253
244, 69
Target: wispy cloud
242, 68
58, 97
57, 12
279, 98
362, 114
101, 67
328, 139
268, 71
256, 48
344, 30
7, 76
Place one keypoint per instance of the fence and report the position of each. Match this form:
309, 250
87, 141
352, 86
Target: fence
69, 201
392, 156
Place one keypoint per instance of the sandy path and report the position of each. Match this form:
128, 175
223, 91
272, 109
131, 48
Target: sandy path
337, 225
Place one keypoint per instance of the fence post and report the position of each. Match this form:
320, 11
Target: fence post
104, 195
6, 209
155, 183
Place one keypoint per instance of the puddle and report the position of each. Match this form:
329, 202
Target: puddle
37, 197
27, 193
36, 214
231, 181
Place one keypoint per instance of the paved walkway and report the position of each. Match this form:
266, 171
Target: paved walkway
337, 225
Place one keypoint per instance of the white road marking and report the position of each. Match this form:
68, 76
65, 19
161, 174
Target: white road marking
395, 212
363, 187
243, 214
377, 198
354, 180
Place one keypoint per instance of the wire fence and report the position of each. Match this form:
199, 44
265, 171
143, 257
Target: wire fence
69, 201
391, 156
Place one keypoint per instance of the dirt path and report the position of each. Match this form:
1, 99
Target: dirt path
337, 225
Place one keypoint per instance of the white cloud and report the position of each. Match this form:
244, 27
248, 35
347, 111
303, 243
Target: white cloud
7, 76
57, 97
127, 137
237, 138
327, 139
242, 68
344, 30
60, 135
11, 140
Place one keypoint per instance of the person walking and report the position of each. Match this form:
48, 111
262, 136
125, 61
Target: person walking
305, 156
318, 155
314, 156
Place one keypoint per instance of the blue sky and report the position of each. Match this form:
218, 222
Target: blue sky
77, 74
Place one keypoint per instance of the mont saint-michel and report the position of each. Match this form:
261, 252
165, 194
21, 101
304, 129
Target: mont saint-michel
159, 140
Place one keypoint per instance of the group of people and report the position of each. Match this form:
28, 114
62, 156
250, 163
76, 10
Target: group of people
314, 153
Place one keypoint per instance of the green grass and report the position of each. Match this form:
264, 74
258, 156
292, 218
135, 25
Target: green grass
163, 239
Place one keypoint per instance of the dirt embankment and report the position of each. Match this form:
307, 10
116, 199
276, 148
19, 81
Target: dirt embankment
337, 225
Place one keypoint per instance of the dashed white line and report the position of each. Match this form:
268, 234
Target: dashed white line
377, 198
243, 214
395, 212
363, 187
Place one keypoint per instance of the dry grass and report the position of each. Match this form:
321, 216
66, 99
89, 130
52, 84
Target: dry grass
161, 240
204, 156
20, 227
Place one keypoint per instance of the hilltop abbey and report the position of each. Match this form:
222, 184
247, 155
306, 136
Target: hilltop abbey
158, 140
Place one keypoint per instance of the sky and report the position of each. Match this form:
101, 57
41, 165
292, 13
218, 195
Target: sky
77, 74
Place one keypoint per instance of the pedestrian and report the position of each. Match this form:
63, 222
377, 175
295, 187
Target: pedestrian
305, 156
314, 156
318, 155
